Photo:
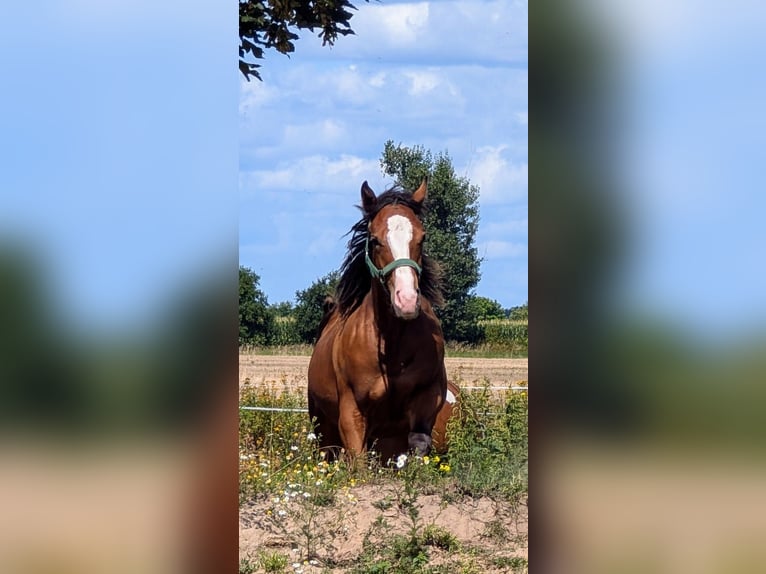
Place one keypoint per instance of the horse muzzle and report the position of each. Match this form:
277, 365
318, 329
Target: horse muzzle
406, 302
405, 295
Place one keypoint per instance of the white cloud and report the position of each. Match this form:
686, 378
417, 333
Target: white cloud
350, 85
402, 23
498, 179
378, 80
255, 94
502, 249
435, 32
317, 173
422, 82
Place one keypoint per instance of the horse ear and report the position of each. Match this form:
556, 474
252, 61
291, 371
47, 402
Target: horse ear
368, 197
419, 194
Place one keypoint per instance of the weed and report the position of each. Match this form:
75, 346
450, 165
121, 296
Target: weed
436, 536
272, 562
384, 503
488, 444
495, 530
515, 563
247, 566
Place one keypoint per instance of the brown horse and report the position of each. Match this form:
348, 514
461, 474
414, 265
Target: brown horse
376, 378
450, 407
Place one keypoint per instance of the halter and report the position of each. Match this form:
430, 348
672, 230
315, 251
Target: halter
382, 273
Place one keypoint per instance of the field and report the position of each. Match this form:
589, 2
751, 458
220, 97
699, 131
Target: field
289, 371
464, 511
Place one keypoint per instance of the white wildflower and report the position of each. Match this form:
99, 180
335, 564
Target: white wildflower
311, 436
401, 461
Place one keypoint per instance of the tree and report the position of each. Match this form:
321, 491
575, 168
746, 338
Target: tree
520, 313
451, 222
309, 309
267, 24
256, 320
283, 309
483, 308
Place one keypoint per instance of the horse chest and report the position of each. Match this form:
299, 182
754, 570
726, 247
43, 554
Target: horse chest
393, 387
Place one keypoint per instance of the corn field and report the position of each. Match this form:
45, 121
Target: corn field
502, 334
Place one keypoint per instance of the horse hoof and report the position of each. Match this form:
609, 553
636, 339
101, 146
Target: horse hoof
420, 443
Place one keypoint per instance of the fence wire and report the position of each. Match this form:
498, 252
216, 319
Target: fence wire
302, 410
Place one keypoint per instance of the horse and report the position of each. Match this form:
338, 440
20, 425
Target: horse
451, 406
376, 379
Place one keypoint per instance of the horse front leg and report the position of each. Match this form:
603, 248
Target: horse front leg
422, 416
352, 424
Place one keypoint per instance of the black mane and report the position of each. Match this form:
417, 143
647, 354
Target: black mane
355, 279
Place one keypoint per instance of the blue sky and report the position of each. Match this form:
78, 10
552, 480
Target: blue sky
450, 76
118, 149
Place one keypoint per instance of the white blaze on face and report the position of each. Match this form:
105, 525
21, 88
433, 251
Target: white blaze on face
405, 295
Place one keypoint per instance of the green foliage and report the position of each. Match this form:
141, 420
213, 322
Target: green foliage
520, 313
488, 444
515, 563
272, 561
283, 309
285, 332
439, 537
398, 554
273, 25
279, 450
484, 308
308, 311
246, 566
256, 320
451, 224
505, 333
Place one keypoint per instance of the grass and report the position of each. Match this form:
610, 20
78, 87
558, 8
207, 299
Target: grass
486, 351
296, 349
510, 350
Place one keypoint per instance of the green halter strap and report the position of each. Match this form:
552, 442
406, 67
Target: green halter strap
382, 273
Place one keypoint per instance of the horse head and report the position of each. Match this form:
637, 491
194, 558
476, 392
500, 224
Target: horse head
394, 247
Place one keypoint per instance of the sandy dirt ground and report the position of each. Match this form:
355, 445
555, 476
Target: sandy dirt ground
290, 371
482, 526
